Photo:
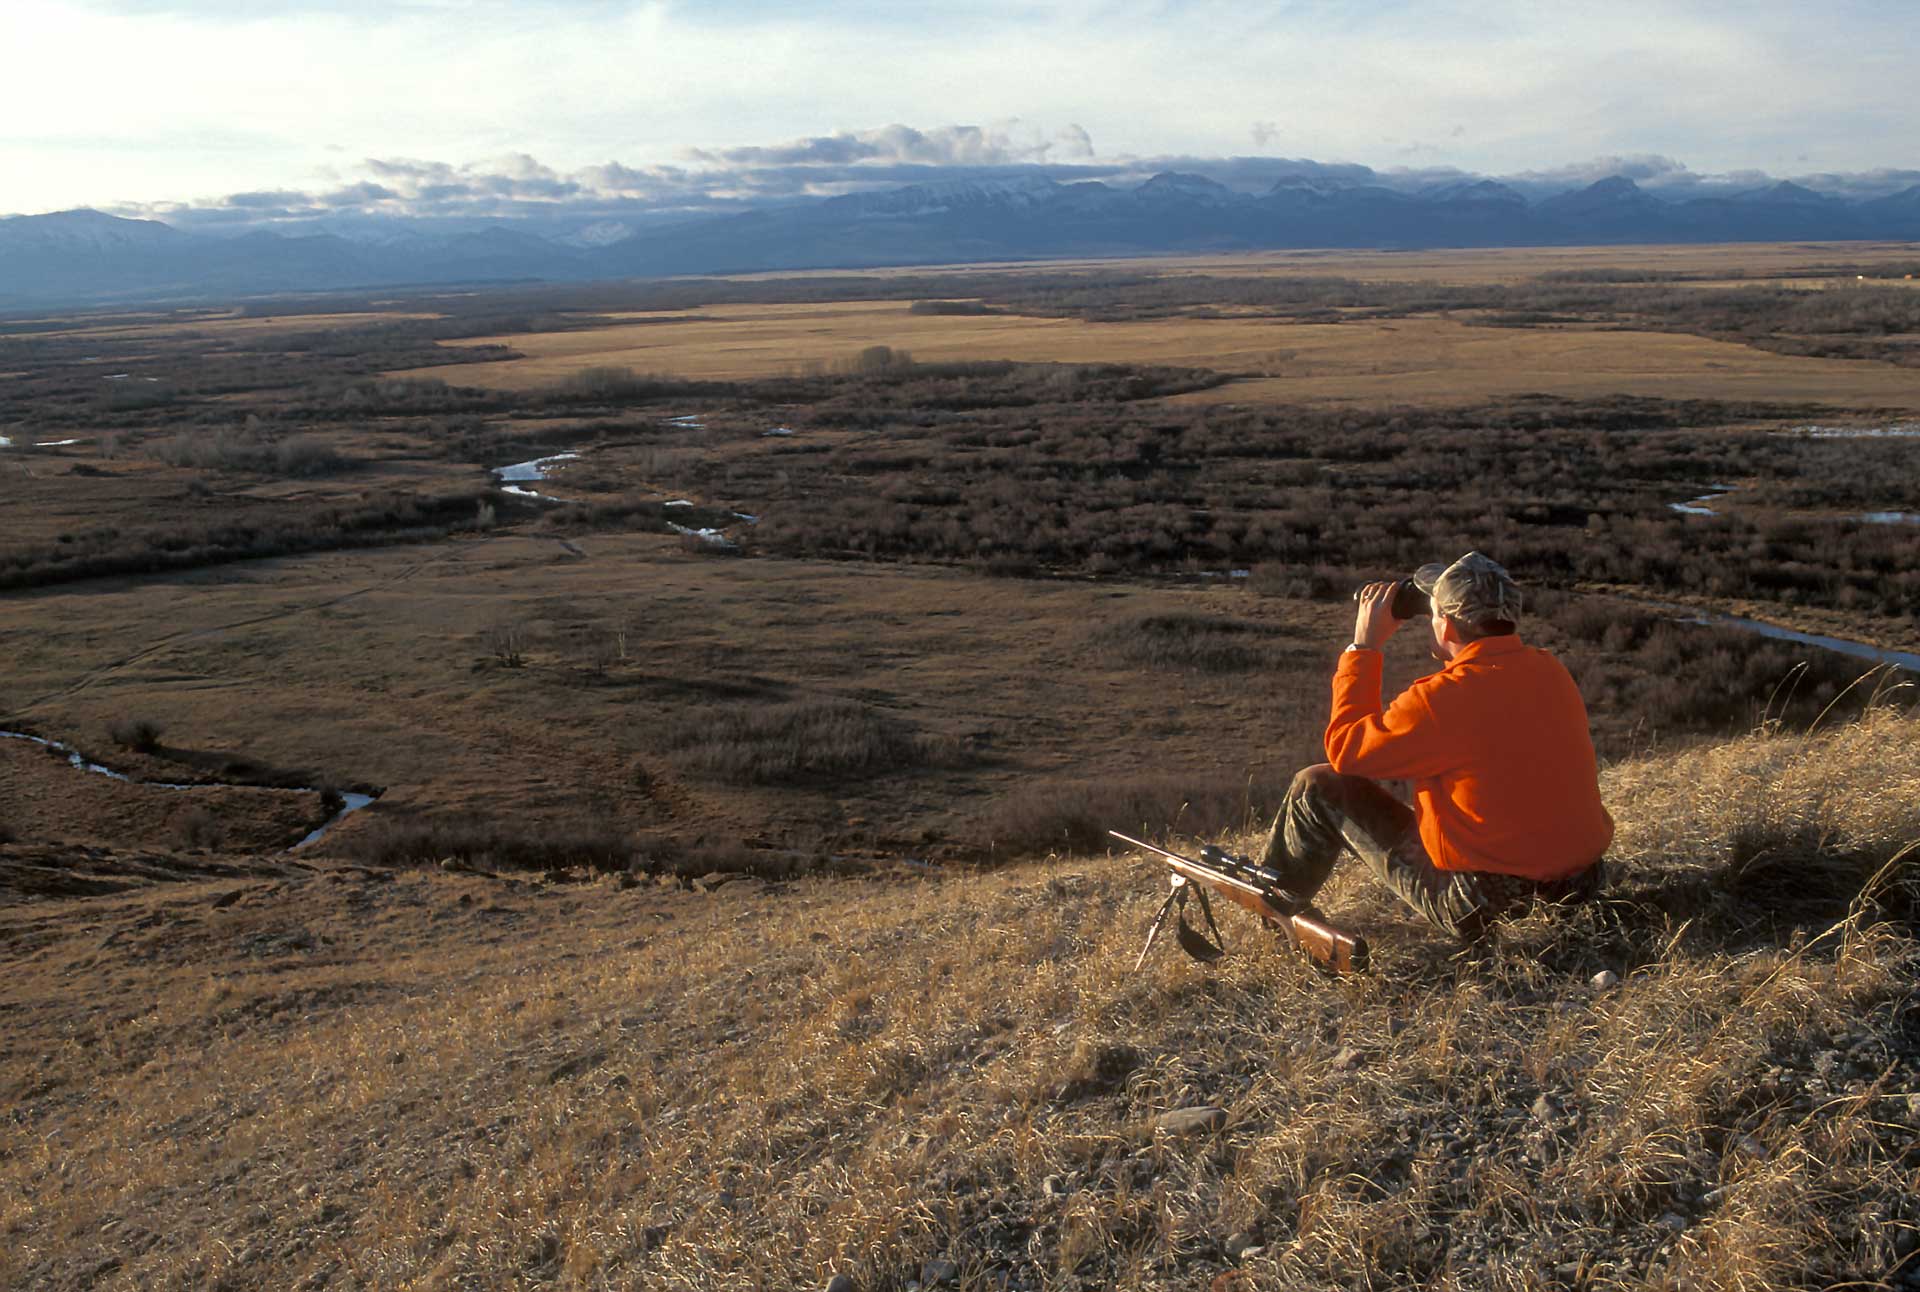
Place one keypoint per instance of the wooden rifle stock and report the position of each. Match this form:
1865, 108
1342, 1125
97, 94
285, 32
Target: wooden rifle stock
1333, 949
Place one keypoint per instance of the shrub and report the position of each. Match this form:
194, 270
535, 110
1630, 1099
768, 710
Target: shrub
1201, 643
390, 841
507, 643
251, 450
139, 734
879, 360
197, 827
1074, 816
609, 382
804, 740
953, 308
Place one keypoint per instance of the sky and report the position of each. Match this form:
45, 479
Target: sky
204, 111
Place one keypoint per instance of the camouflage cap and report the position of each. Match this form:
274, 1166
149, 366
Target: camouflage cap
1476, 589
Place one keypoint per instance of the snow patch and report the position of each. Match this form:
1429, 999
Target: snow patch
1899, 430
713, 536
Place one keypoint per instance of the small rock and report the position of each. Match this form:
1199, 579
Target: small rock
1346, 1060
1199, 1120
1672, 1221
939, 1273
1238, 1245
542, 1250
1750, 1146
1605, 980
575, 1066
839, 1283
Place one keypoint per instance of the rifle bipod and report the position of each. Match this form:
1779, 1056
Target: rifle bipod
1191, 940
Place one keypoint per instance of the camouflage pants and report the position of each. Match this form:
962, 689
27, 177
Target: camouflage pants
1326, 814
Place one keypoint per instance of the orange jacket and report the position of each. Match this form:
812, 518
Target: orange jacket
1497, 747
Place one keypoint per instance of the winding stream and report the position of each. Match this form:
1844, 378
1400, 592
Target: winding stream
515, 477
1858, 650
352, 802
1698, 506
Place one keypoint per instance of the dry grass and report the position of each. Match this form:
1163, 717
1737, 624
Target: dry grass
1398, 361
214, 322
381, 667
1745, 263
341, 1080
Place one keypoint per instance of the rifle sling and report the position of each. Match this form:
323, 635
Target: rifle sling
1191, 940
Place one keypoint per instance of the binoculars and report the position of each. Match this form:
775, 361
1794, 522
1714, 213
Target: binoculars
1408, 601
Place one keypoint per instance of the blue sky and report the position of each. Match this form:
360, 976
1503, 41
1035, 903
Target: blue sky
169, 106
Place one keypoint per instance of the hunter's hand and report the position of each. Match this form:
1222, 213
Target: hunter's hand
1373, 623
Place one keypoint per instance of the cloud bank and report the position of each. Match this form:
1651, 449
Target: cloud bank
720, 180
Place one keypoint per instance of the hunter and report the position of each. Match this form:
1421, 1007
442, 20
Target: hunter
1506, 798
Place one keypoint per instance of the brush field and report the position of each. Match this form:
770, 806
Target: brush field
713, 889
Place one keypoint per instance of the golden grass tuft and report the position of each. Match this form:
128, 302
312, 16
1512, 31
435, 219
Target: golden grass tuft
469, 1082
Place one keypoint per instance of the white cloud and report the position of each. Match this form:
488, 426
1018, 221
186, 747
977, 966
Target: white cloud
150, 99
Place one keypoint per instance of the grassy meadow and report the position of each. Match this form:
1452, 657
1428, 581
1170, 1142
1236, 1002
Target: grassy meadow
1417, 361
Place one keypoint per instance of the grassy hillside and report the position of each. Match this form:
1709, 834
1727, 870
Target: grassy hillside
261, 1074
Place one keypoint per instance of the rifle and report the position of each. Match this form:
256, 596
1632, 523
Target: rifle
1259, 890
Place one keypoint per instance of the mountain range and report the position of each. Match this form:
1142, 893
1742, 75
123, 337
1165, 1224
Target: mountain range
87, 257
